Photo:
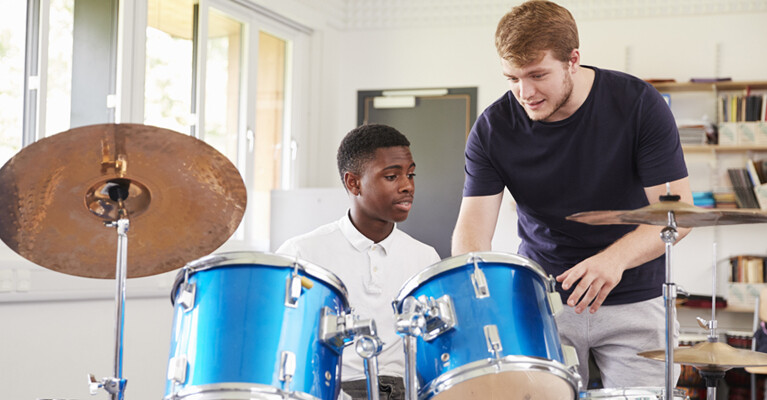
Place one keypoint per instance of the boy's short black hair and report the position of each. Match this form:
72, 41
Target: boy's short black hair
360, 144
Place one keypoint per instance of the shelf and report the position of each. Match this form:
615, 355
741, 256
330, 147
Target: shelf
701, 148
708, 87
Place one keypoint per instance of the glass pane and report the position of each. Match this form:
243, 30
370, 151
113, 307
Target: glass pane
169, 62
12, 34
222, 84
59, 82
270, 109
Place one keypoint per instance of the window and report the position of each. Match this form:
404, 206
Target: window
12, 36
169, 64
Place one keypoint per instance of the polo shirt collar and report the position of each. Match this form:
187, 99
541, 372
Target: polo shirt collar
360, 241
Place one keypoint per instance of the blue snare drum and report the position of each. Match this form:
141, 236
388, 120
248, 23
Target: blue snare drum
501, 337
247, 325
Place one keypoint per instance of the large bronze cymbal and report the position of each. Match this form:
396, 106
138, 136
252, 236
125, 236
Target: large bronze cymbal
686, 216
184, 199
711, 356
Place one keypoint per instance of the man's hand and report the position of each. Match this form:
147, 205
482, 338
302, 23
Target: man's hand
596, 277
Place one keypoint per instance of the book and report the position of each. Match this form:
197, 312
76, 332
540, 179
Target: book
743, 187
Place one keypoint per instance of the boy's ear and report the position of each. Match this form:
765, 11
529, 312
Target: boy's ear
352, 183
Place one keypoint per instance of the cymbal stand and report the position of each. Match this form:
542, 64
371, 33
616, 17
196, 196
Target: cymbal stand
711, 376
669, 236
115, 385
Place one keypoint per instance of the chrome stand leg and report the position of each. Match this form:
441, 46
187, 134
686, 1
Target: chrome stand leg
411, 377
669, 236
371, 374
115, 385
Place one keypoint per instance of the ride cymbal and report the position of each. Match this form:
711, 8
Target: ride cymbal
182, 197
711, 356
686, 216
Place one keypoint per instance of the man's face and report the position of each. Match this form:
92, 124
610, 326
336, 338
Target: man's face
387, 185
543, 88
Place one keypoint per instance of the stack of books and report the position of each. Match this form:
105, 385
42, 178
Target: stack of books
692, 134
725, 199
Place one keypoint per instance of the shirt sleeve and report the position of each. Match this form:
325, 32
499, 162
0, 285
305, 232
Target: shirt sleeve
481, 178
659, 158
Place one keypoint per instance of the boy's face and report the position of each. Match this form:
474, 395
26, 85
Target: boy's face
384, 190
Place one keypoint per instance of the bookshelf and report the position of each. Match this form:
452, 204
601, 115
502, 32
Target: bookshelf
708, 165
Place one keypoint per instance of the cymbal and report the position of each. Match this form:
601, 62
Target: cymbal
184, 199
711, 356
686, 216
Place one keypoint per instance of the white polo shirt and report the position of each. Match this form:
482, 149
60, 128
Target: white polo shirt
373, 273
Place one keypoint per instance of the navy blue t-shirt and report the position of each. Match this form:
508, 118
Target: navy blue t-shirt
621, 140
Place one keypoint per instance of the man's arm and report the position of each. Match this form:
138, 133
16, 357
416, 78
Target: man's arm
600, 273
476, 223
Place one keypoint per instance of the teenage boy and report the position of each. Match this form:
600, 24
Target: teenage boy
366, 250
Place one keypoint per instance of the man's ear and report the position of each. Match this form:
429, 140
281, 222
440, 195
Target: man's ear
352, 183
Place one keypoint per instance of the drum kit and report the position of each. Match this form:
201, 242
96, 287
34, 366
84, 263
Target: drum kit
251, 325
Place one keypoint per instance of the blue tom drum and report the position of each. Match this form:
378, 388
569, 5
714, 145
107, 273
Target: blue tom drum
486, 330
247, 326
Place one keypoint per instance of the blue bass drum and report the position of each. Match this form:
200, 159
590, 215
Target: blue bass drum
501, 337
247, 326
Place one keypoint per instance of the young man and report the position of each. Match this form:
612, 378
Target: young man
366, 250
568, 138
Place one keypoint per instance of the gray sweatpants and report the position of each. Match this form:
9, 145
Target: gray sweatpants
615, 334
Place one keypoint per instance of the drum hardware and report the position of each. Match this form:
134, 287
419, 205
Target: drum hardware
493, 340
62, 190
338, 331
478, 279
287, 368
368, 347
294, 285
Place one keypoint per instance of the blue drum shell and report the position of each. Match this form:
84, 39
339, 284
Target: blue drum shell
518, 305
240, 325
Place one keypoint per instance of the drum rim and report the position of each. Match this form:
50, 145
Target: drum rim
489, 366
261, 258
629, 390
462, 260
201, 392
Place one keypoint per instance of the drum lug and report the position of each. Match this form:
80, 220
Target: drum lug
478, 279
187, 296
555, 302
570, 356
292, 291
177, 367
287, 367
493, 340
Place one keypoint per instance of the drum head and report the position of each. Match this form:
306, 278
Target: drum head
515, 385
